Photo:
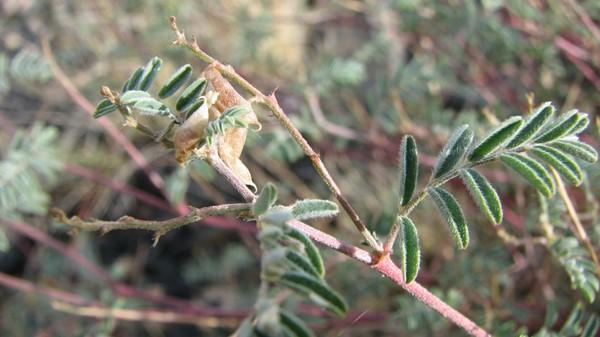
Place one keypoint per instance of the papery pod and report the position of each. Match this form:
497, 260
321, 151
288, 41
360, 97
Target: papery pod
533, 125
176, 81
231, 147
567, 168
454, 151
302, 263
532, 171
313, 209
265, 200
189, 134
484, 194
149, 74
498, 137
190, 94
410, 251
576, 149
408, 169
293, 325
561, 127
134, 80
316, 290
310, 250
452, 214
104, 108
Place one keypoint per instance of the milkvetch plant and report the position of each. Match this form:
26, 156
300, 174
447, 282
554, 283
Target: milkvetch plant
206, 118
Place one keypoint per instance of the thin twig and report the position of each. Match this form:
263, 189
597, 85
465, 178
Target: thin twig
577, 227
270, 102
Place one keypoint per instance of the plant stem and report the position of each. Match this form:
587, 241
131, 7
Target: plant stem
270, 102
577, 227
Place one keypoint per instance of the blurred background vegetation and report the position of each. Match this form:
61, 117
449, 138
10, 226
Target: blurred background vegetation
355, 76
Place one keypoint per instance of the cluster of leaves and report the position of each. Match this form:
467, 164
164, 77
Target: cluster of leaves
31, 160
576, 262
26, 66
579, 323
552, 141
290, 261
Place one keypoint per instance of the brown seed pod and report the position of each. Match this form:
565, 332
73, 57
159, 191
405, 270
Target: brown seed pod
189, 134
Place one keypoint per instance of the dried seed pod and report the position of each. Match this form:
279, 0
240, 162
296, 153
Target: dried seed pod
190, 133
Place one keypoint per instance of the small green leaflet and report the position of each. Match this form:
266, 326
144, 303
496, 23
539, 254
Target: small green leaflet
317, 290
410, 251
310, 250
314, 208
134, 80
567, 168
302, 263
150, 106
104, 108
454, 151
176, 81
498, 137
132, 96
190, 94
408, 169
532, 171
576, 149
452, 214
266, 199
561, 127
533, 125
149, 73
293, 325
484, 194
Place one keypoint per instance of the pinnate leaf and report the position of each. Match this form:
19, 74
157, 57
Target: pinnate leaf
533, 125
483, 193
409, 169
176, 81
454, 151
498, 137
532, 171
567, 168
452, 214
410, 251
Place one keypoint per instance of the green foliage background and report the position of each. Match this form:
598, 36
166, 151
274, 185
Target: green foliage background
355, 77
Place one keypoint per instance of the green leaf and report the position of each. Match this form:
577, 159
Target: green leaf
293, 325
581, 125
567, 168
190, 94
561, 127
302, 263
409, 169
132, 96
454, 151
484, 194
150, 106
134, 80
314, 208
104, 108
452, 214
576, 149
150, 71
532, 171
533, 125
310, 250
498, 137
410, 252
317, 290
265, 200
591, 327
176, 81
